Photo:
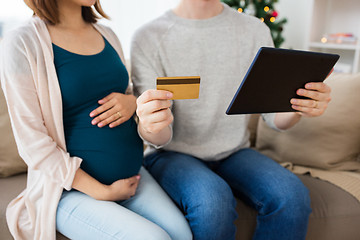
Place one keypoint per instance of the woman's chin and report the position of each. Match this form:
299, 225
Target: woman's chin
86, 3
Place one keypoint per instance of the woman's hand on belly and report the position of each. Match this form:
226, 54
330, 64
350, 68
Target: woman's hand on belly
115, 109
122, 189
119, 190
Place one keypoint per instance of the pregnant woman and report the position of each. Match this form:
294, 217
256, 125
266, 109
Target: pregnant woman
67, 92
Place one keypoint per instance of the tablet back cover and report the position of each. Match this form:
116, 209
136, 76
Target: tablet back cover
275, 75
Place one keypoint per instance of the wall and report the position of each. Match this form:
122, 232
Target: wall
12, 14
128, 15
298, 14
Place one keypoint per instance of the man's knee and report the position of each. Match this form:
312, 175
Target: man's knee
292, 199
212, 200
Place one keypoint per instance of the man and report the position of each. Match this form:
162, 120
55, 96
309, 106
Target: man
209, 157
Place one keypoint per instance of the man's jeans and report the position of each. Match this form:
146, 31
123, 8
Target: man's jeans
204, 192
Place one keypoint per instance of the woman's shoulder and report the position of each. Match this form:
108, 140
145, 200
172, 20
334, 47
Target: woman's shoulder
19, 46
108, 33
19, 37
112, 38
105, 30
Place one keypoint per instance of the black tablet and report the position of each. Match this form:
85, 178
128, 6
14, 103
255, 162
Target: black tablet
275, 75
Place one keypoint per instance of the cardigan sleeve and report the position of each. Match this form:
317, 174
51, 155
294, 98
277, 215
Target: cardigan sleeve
19, 72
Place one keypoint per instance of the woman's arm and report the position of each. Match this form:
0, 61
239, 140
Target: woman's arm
42, 153
24, 83
119, 190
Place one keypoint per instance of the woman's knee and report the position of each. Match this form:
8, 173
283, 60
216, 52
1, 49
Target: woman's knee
143, 229
175, 224
154, 233
180, 231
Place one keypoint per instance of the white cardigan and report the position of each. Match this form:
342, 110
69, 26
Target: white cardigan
32, 92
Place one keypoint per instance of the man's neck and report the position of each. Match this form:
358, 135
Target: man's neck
198, 9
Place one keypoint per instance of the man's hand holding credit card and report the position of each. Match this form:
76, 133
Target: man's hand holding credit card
181, 87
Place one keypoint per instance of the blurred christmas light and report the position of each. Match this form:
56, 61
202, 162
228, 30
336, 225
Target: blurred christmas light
265, 11
274, 14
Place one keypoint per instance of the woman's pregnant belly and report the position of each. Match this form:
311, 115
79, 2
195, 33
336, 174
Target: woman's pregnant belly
108, 154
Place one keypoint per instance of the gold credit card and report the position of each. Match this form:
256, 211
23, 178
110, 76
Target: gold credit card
181, 87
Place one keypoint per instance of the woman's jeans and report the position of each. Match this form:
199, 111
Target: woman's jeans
150, 214
204, 192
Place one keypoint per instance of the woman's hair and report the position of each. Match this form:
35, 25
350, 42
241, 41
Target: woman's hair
47, 10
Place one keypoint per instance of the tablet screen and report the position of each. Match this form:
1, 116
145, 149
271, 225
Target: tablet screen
275, 75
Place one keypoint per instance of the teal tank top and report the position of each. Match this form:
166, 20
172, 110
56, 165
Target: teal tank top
108, 154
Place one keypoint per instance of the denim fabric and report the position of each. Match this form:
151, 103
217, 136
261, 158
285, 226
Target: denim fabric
150, 215
204, 192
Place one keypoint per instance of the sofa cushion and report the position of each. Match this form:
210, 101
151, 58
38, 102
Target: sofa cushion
252, 126
330, 141
10, 161
13, 185
335, 213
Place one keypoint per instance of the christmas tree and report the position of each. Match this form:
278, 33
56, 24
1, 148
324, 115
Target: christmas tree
263, 9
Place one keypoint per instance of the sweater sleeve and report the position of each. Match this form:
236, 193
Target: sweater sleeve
269, 118
143, 75
18, 70
144, 70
